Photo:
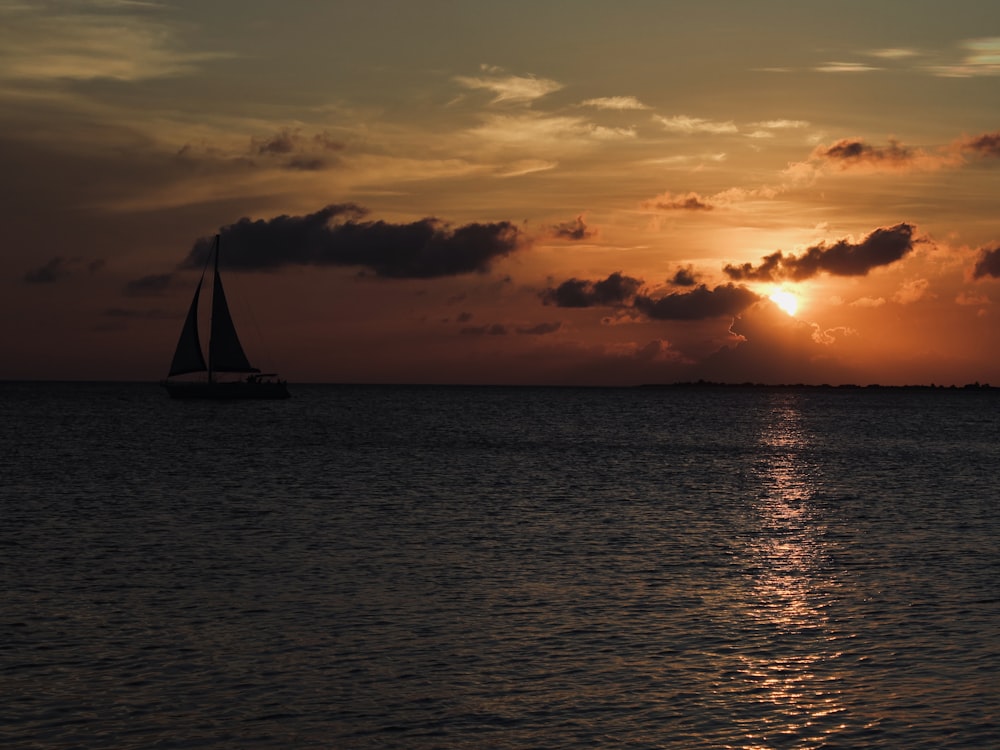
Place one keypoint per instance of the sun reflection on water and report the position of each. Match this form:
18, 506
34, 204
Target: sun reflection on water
788, 671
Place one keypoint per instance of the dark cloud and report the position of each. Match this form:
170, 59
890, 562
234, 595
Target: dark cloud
615, 290
849, 152
51, 272
768, 270
151, 285
281, 143
336, 236
684, 277
880, 248
988, 264
287, 141
304, 153
669, 202
494, 329
622, 291
61, 268
540, 330
699, 304
499, 329
573, 230
987, 144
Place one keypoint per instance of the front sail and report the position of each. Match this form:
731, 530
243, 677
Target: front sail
188, 356
225, 354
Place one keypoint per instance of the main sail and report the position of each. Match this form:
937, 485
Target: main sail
188, 356
225, 353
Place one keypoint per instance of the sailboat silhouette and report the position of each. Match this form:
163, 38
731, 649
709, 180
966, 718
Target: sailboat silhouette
225, 354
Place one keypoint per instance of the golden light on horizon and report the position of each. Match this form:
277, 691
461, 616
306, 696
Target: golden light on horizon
786, 300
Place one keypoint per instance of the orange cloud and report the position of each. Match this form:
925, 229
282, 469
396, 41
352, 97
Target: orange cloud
670, 202
911, 291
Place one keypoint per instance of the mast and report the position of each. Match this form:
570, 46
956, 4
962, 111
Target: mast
211, 320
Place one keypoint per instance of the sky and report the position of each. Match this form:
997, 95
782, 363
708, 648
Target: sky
545, 192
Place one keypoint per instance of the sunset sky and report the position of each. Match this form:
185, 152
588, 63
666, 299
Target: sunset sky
544, 192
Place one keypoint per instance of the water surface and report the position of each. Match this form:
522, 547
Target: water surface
365, 567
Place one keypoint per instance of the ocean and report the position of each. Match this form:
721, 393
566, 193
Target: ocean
467, 567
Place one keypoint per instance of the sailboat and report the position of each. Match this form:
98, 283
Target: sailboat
225, 355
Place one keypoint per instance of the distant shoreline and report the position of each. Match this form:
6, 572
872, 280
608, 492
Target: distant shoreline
824, 387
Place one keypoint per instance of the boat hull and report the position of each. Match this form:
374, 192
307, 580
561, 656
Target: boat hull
239, 390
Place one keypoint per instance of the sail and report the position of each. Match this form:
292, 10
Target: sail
225, 354
188, 356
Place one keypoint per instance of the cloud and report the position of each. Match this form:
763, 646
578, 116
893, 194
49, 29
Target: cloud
296, 150
911, 291
554, 133
880, 248
51, 272
542, 329
699, 304
987, 144
893, 53
844, 67
771, 347
493, 329
988, 264
282, 143
868, 302
780, 124
614, 102
972, 299
694, 202
828, 336
510, 88
670, 202
336, 236
151, 285
853, 153
61, 268
617, 289
573, 230
737, 194
982, 58
684, 277
692, 125
47, 41
855, 150
526, 166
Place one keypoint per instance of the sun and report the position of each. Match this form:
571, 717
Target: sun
786, 300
